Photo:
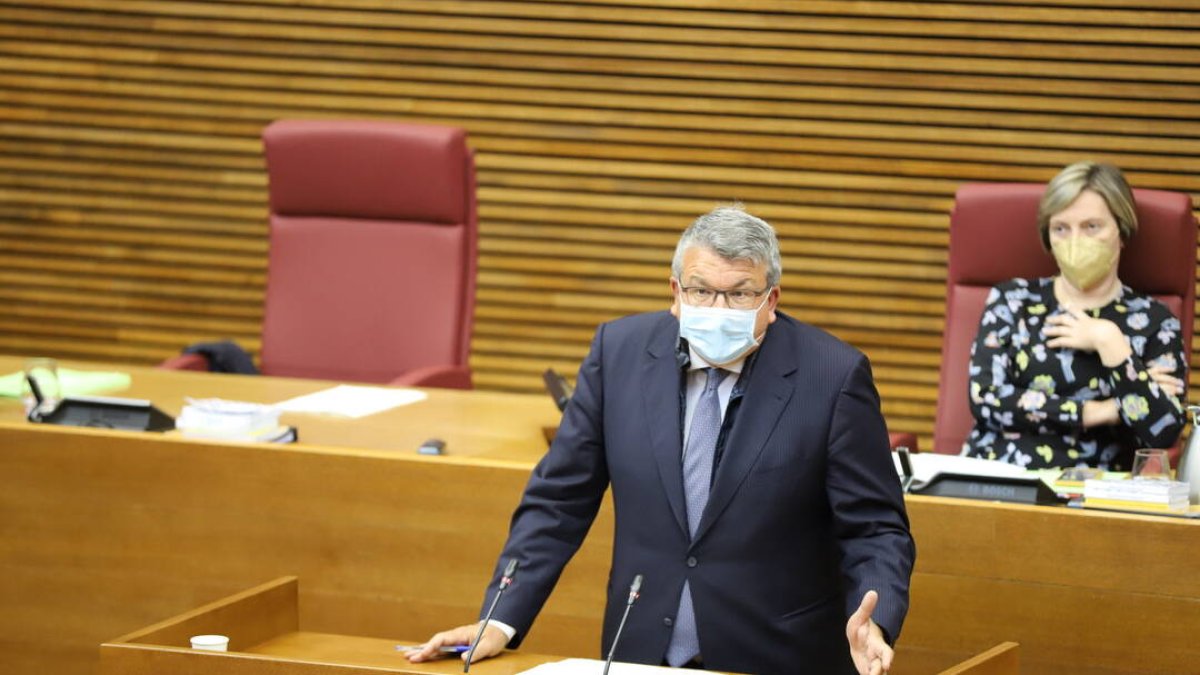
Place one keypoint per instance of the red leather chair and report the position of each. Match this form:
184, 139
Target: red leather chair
994, 237
371, 270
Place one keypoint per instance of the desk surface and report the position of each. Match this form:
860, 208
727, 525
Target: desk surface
491, 425
380, 653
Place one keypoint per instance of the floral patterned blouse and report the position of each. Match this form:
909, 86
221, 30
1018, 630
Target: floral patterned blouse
1027, 397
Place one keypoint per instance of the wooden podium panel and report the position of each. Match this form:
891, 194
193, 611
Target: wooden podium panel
266, 637
1003, 659
104, 531
1081, 591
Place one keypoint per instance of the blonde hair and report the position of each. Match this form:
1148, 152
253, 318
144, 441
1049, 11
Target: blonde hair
1105, 180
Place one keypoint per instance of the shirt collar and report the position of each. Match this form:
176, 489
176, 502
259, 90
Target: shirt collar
697, 362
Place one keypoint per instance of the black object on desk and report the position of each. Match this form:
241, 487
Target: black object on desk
433, 446
992, 488
101, 412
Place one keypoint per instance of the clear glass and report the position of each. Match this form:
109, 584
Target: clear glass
1151, 464
44, 374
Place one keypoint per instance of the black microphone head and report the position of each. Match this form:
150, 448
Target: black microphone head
634, 588
633, 595
505, 580
560, 390
509, 570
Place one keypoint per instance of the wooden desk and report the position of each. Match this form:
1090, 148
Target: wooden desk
102, 532
473, 424
105, 531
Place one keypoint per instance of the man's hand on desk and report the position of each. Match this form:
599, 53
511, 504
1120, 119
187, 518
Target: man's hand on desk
868, 648
492, 643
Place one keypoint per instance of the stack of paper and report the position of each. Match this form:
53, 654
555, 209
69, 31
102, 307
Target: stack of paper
1136, 495
594, 667
1070, 481
927, 465
216, 418
351, 400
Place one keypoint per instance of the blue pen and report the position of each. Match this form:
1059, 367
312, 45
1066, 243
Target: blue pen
448, 649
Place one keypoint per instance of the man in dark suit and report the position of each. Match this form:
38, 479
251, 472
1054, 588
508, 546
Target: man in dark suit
751, 477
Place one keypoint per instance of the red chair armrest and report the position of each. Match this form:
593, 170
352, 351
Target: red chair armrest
905, 439
194, 361
446, 377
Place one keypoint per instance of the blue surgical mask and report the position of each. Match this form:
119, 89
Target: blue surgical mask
718, 334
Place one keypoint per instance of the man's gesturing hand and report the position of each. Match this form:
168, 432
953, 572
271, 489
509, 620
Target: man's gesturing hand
871, 653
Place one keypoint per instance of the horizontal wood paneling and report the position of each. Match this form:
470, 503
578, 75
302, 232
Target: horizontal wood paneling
132, 196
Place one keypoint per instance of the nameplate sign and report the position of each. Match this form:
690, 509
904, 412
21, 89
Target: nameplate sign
992, 488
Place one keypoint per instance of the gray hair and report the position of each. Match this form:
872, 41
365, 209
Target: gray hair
1105, 180
733, 234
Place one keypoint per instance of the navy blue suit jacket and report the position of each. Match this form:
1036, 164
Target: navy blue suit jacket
805, 513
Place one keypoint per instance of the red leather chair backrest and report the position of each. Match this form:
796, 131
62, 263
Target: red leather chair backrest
994, 237
373, 235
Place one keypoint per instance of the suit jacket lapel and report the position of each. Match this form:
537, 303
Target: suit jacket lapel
767, 393
660, 398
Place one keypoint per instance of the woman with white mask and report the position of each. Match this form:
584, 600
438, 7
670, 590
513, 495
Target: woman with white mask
1077, 369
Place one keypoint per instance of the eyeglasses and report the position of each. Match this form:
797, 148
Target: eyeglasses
735, 299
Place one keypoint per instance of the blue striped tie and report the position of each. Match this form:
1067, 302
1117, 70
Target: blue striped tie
697, 477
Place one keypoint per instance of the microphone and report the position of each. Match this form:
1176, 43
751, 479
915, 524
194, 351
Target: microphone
559, 389
35, 413
505, 580
634, 589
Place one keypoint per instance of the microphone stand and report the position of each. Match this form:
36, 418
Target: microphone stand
35, 413
634, 588
505, 580
906, 468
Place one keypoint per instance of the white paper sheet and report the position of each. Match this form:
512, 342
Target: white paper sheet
351, 400
595, 667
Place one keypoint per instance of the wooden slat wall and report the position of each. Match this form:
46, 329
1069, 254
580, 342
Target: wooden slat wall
132, 203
